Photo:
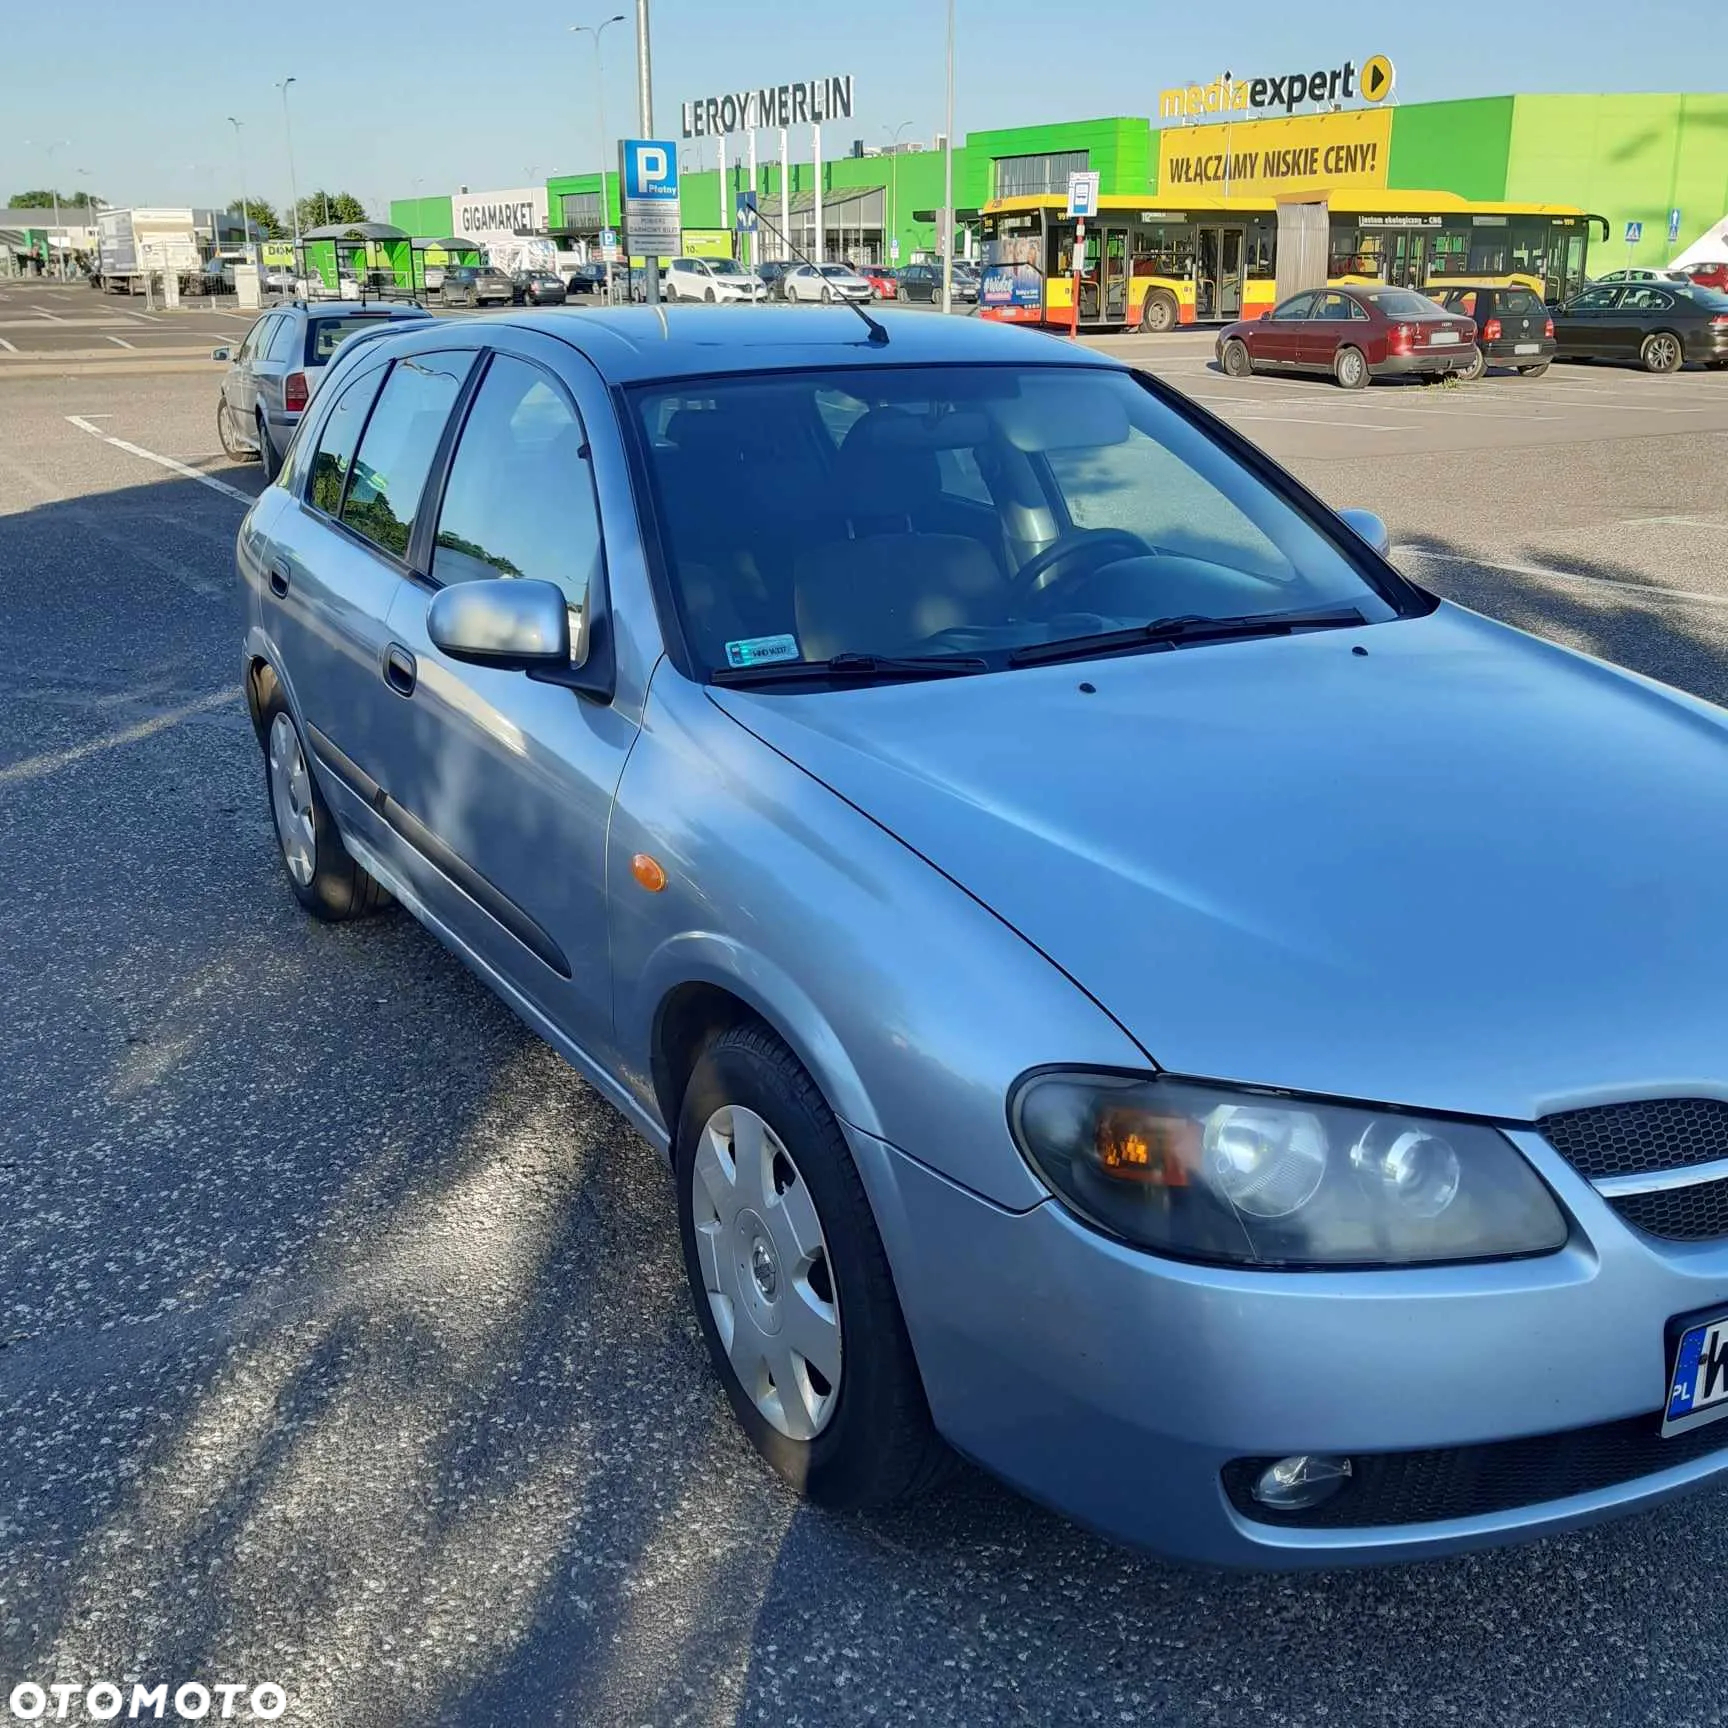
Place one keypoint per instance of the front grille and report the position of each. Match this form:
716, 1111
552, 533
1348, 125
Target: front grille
1695, 1214
1473, 1481
1649, 1135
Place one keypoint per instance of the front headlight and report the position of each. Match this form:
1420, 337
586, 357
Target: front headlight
1257, 1179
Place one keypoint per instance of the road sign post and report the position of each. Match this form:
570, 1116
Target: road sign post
648, 176
1082, 202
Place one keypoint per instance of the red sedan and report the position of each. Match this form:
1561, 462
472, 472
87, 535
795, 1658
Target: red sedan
881, 279
1356, 334
1709, 276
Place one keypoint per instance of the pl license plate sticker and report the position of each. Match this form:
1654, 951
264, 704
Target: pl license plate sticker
1698, 1385
761, 650
1527, 348
1444, 336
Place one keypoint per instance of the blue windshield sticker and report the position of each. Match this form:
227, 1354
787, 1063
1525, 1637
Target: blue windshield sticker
761, 650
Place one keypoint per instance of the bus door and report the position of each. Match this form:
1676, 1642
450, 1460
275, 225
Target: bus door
1113, 269
1218, 255
1563, 268
1406, 258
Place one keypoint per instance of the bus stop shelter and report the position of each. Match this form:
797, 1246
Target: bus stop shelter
454, 251
371, 250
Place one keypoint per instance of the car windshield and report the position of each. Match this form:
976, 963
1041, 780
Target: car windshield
328, 334
963, 510
724, 267
1401, 302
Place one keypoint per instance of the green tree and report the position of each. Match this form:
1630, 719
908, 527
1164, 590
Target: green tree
35, 200
318, 209
262, 216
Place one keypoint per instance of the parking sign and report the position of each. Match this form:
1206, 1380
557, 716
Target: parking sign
1083, 194
648, 174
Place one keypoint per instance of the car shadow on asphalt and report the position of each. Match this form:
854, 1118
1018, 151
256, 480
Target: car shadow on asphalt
349, 1346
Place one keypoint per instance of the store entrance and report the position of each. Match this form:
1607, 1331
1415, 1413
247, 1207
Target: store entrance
1218, 254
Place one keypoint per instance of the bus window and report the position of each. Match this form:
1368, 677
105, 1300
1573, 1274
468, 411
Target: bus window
1163, 249
1529, 245
1449, 252
1355, 252
1257, 258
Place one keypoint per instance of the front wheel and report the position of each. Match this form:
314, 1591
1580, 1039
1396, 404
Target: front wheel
1235, 360
1350, 369
1661, 352
1159, 313
710, 296
235, 452
792, 1288
827, 296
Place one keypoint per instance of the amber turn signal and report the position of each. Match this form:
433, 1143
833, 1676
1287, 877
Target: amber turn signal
648, 872
1136, 1146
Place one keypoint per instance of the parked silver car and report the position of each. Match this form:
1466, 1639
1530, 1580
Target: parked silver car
273, 373
1123, 980
825, 282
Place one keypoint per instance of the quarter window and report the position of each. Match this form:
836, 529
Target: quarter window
337, 440
398, 445
520, 498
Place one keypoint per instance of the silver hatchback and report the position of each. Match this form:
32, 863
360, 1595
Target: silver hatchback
273, 373
1125, 984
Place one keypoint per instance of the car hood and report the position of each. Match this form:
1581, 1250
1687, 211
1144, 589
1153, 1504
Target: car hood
1465, 870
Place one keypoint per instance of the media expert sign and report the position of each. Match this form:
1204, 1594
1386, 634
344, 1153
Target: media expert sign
493, 216
1262, 158
810, 103
648, 174
1227, 95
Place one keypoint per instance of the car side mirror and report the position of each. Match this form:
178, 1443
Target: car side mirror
1367, 526
221, 353
1266, 315
518, 624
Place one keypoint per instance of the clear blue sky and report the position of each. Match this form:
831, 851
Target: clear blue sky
478, 94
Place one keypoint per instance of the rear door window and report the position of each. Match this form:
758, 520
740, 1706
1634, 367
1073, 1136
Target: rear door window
337, 440
397, 448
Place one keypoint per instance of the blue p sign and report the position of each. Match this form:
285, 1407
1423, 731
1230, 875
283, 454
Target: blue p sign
650, 169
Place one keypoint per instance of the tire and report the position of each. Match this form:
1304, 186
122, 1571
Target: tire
1661, 351
1159, 313
267, 452
902, 296
325, 880
711, 297
1236, 360
1533, 371
868, 1439
827, 296
225, 432
1476, 369
1350, 369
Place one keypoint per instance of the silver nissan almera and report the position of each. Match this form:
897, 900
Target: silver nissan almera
1128, 987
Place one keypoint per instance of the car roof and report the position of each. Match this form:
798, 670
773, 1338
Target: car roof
354, 309
628, 345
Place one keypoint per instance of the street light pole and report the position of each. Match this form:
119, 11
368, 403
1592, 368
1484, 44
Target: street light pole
597, 31
948, 179
894, 185
245, 203
293, 184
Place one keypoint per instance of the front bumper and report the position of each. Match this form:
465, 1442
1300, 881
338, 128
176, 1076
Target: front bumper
1117, 1386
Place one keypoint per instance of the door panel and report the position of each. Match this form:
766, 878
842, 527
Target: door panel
503, 786
1114, 265
1230, 273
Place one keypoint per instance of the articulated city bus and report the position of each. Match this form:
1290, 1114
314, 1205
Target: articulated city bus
1209, 261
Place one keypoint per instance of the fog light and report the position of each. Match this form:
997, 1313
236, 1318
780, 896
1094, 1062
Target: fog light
1294, 1484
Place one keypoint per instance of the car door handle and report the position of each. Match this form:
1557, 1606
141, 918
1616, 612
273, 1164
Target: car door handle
399, 669
279, 581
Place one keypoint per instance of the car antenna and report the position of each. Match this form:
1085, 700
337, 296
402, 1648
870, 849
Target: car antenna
878, 331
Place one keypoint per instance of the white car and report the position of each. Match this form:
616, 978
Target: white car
711, 279
825, 282
1679, 276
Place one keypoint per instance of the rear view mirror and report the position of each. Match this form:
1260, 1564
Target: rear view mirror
518, 624
221, 353
1062, 411
1367, 526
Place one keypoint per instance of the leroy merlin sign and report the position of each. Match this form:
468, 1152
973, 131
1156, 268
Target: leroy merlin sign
1287, 91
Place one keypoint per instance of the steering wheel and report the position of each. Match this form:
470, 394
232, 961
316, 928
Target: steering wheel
1092, 545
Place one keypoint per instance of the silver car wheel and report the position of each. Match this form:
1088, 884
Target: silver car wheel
291, 800
766, 1271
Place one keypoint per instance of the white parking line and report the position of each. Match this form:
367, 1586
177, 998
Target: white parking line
1551, 575
214, 484
1313, 420
119, 341
10, 349
54, 316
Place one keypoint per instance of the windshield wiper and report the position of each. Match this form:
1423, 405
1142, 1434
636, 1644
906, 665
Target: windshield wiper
1188, 627
846, 666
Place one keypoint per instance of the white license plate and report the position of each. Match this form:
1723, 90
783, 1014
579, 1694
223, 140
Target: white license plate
1440, 336
1527, 348
1698, 1377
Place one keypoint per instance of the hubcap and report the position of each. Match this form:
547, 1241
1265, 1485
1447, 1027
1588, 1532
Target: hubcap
291, 800
766, 1272
1662, 350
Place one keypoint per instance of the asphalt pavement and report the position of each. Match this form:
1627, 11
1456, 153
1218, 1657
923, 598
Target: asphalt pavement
343, 1337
